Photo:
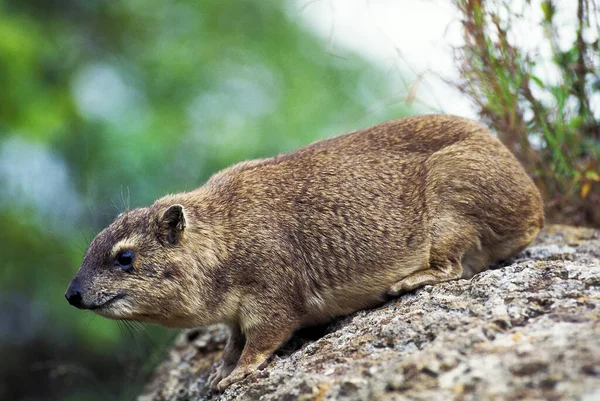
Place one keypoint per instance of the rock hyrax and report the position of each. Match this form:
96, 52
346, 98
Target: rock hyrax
267, 246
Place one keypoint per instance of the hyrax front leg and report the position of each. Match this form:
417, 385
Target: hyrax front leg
261, 341
231, 355
438, 271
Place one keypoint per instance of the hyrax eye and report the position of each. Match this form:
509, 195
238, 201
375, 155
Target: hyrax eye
125, 260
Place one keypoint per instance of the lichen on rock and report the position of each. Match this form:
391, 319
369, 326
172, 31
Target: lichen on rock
527, 329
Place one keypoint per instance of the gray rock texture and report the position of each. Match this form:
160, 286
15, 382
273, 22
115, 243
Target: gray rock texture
528, 329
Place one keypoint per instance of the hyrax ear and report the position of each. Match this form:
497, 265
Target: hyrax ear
171, 224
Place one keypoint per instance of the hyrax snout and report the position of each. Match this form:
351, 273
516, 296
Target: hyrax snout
267, 246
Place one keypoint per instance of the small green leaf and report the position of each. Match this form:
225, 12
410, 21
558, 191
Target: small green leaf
538, 82
592, 175
548, 10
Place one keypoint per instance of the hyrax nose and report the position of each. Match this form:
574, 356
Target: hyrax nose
73, 294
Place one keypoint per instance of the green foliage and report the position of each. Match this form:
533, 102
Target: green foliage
548, 123
106, 105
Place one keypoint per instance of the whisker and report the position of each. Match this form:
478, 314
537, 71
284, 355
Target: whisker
145, 333
87, 241
119, 325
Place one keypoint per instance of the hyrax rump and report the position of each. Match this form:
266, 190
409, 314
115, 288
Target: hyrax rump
267, 246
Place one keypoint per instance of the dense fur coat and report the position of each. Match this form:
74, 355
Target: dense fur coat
267, 246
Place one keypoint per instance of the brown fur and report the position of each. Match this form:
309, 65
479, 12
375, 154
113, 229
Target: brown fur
267, 246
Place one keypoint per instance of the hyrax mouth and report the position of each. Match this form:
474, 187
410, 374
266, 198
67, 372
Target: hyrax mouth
105, 304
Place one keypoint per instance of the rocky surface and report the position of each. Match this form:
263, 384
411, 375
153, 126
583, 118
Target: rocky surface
529, 329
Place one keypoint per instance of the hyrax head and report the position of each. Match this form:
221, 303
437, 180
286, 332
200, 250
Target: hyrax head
133, 268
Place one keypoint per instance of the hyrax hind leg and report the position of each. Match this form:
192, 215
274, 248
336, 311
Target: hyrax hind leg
445, 261
450, 269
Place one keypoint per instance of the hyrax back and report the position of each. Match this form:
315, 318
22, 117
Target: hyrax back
269, 245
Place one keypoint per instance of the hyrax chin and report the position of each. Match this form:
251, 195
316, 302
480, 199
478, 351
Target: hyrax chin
267, 246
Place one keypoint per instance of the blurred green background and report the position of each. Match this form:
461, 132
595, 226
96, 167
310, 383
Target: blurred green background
106, 105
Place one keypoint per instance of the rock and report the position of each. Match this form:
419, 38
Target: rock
527, 329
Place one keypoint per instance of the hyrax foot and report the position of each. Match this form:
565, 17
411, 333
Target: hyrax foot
239, 373
222, 372
451, 270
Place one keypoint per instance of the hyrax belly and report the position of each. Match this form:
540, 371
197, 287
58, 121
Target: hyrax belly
368, 289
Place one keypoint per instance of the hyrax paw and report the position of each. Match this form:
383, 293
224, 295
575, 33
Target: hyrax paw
396, 290
214, 379
407, 284
232, 378
222, 372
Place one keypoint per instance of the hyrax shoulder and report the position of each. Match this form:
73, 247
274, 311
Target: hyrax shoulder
267, 246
